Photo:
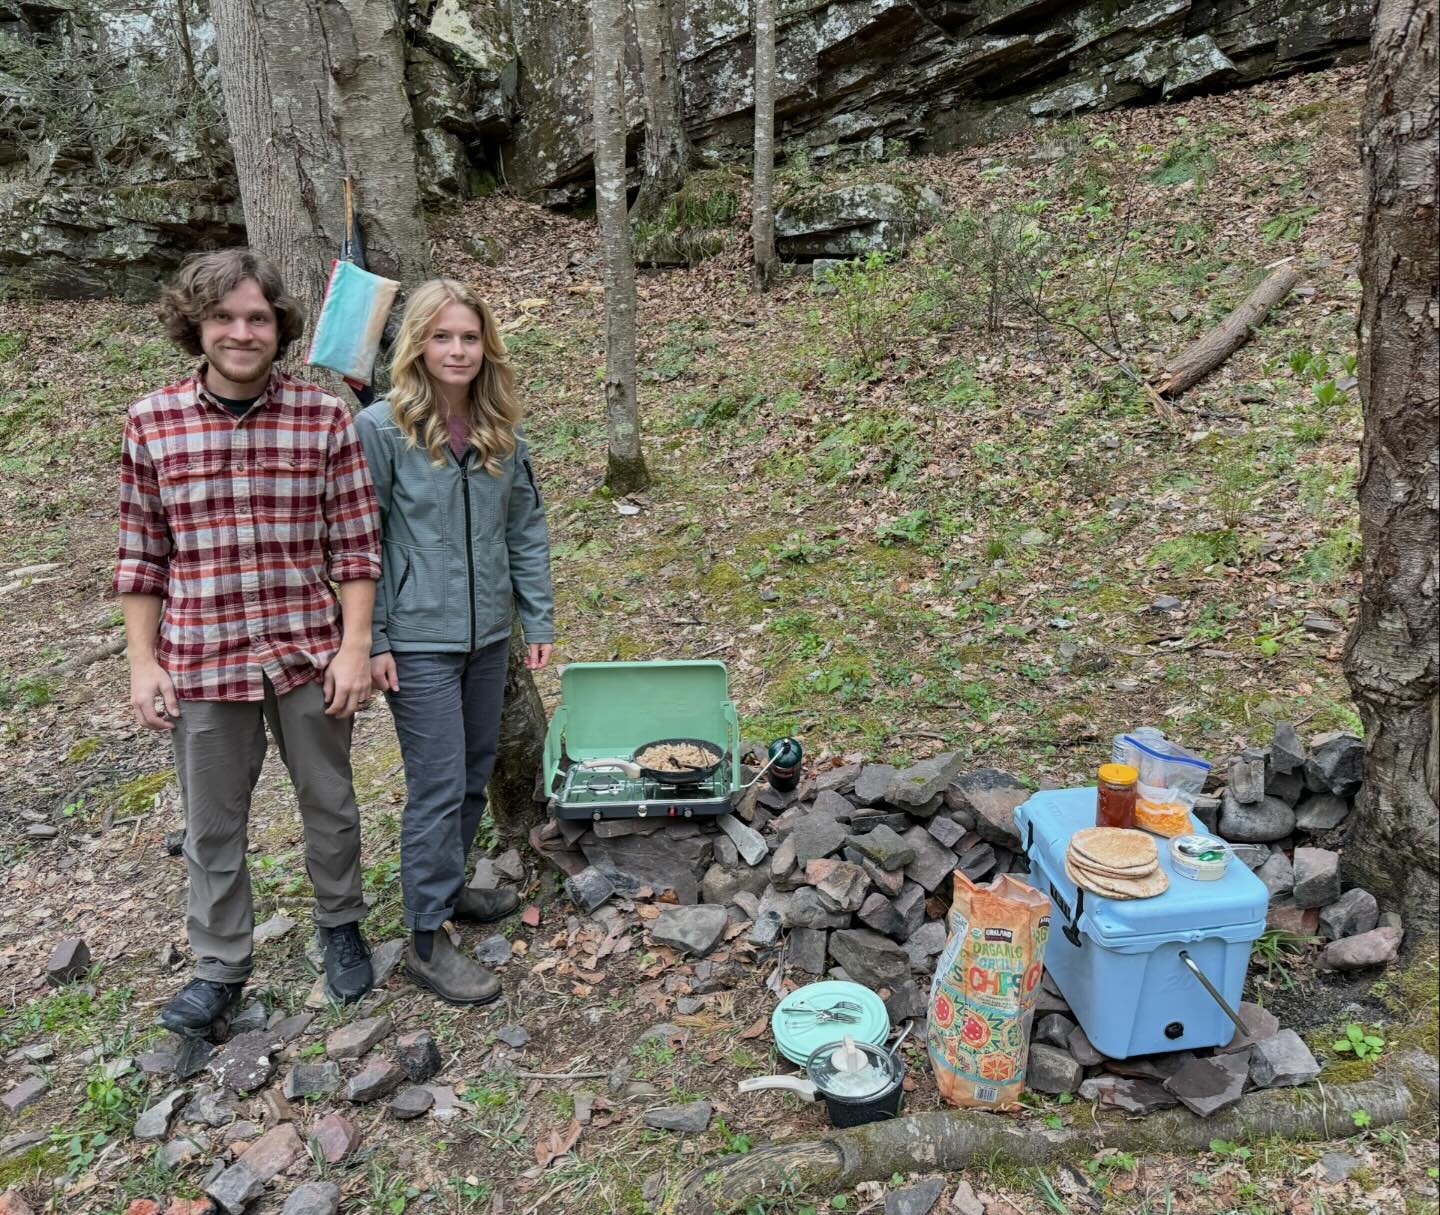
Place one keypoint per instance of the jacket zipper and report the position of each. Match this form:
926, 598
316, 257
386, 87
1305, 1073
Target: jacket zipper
469, 548
404, 578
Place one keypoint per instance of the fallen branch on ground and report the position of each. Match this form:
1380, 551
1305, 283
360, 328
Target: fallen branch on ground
94, 654
1211, 349
946, 1140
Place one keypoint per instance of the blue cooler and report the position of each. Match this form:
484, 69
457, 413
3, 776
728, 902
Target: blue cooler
1118, 962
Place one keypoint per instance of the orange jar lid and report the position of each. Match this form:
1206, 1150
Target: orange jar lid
1118, 774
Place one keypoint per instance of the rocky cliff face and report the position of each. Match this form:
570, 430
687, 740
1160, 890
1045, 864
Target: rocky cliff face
113, 162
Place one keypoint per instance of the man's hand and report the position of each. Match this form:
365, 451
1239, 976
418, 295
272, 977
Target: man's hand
149, 683
347, 682
383, 677
538, 656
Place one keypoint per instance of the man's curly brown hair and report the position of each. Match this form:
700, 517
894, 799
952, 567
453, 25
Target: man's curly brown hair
206, 278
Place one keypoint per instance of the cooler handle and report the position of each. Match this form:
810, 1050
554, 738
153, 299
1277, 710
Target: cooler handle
1215, 994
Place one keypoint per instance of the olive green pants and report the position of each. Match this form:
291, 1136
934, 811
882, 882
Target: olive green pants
219, 750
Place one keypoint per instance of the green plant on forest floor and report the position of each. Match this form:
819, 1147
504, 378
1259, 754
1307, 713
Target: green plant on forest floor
1360, 1042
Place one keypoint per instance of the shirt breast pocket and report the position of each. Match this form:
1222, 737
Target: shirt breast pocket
289, 485
194, 484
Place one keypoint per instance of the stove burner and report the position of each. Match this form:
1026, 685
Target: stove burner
608, 794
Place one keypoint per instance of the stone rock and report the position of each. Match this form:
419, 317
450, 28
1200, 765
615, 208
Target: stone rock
249, 1019
692, 1117
1054, 1029
815, 837
1284, 916
272, 929
977, 861
1278, 875
1317, 877
515, 1036
181, 1150
1253, 856
485, 877
509, 865
873, 784
385, 958
805, 910
1337, 1166
313, 1198
964, 1201
274, 1152
354, 1041
887, 881
724, 884
12, 1202
916, 1199
807, 948
1207, 810
1321, 812
376, 1080
748, 842
925, 943
933, 864
417, 1055
1247, 776
837, 779
24, 1094
946, 831
833, 805
154, 1123
1267, 820
843, 888
884, 847
1051, 1070
312, 1081
1282, 1060
1287, 752
1127, 1093
1289, 787
334, 1137
69, 960
1260, 1023
589, 888
1207, 1086
247, 1062
411, 1103
494, 951
670, 859
769, 918
991, 796
918, 787
211, 1107
696, 930
1336, 764
285, 1029
1354, 912
869, 958
235, 1188
1081, 1049
1377, 947
782, 860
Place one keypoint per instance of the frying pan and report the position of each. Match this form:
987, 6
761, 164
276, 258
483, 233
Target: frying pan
680, 778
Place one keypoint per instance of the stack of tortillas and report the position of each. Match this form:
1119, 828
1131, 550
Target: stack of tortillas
1116, 863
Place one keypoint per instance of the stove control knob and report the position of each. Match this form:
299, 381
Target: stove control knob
689, 813
596, 816
642, 811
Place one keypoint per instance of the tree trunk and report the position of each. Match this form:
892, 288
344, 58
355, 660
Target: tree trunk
669, 154
625, 472
513, 808
951, 1140
762, 194
314, 92
1391, 657
1208, 351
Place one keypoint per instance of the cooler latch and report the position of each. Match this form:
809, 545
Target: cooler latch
1071, 931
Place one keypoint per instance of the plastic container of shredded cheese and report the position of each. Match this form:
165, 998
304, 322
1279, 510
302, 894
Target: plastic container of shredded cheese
1201, 858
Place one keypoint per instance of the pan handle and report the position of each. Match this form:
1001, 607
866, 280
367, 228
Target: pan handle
612, 765
801, 1087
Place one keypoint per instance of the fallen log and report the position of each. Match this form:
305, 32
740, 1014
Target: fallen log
947, 1140
1208, 351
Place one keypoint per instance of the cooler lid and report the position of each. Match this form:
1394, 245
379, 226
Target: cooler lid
1237, 899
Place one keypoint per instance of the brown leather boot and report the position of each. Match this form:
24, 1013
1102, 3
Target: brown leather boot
452, 976
485, 906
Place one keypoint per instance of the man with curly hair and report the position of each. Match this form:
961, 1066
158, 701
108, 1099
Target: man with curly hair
244, 496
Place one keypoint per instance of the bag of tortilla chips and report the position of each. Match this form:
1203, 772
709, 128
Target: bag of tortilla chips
982, 998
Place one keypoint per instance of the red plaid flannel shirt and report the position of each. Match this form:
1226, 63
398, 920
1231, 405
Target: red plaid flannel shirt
241, 524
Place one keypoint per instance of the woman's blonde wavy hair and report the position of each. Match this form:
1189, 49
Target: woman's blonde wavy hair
416, 406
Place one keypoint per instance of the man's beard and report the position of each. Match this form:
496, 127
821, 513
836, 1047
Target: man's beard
242, 372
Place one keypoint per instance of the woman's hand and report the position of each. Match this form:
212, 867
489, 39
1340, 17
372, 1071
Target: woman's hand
538, 656
382, 673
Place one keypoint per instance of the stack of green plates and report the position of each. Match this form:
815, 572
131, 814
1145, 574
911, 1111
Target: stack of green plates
798, 1036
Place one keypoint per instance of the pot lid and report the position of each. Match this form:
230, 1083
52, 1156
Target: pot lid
797, 1035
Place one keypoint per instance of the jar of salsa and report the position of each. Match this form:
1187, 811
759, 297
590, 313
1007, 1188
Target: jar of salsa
1115, 801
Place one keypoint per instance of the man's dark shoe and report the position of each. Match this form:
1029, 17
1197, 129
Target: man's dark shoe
452, 976
348, 974
485, 906
198, 1005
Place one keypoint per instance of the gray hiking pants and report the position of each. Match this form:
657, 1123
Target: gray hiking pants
219, 749
447, 716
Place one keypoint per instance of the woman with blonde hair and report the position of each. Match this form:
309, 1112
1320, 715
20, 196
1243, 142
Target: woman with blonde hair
465, 547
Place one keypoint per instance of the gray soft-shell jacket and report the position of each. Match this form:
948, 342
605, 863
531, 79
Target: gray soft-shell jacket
463, 549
